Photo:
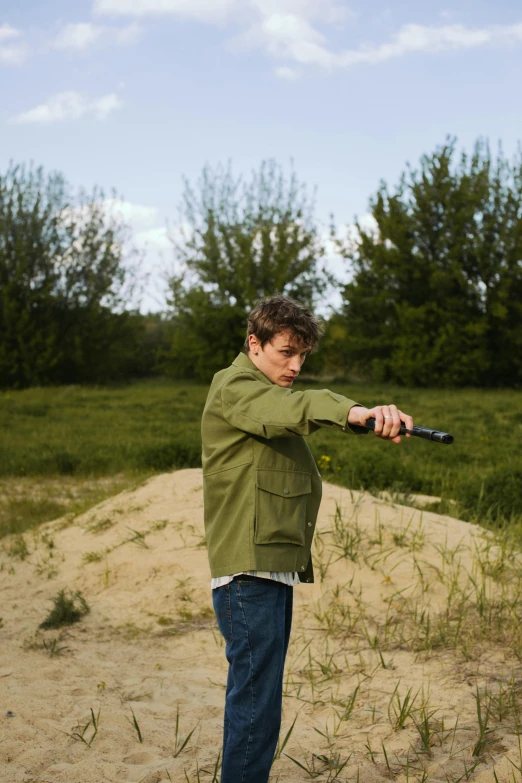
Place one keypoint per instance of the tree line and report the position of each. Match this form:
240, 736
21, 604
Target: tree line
434, 298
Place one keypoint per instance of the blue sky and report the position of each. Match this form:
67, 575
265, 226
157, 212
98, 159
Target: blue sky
132, 94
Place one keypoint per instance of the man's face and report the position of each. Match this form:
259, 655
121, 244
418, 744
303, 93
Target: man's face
280, 359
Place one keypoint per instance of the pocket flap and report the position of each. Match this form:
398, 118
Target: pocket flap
287, 483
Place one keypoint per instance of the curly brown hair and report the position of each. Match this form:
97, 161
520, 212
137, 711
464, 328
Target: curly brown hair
275, 314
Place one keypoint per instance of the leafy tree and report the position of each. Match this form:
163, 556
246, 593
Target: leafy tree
238, 241
63, 284
436, 293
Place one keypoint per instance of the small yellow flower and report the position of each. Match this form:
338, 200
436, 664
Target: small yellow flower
324, 462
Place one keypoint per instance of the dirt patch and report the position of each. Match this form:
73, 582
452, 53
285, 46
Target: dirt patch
404, 661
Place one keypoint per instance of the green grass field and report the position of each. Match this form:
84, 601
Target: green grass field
65, 448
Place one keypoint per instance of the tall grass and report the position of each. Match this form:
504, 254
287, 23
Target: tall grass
75, 430
135, 430
482, 470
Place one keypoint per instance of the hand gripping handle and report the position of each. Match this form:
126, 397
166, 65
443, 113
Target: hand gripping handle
419, 432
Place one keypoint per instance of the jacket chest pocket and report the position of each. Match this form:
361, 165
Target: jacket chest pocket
281, 501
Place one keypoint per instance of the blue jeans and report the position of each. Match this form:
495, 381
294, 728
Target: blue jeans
254, 616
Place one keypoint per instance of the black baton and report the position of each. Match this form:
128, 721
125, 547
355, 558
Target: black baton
419, 432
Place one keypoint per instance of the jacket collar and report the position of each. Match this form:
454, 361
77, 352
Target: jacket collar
245, 363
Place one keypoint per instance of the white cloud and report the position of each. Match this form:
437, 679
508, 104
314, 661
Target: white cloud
150, 236
153, 238
69, 105
288, 29
294, 39
78, 36
511, 33
103, 106
246, 13
82, 35
327, 11
8, 32
290, 37
289, 74
204, 10
138, 216
128, 34
144, 222
418, 38
13, 50
336, 263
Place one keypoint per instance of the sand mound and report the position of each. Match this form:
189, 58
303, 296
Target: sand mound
407, 625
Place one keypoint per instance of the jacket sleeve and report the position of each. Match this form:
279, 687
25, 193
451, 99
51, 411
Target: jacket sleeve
271, 411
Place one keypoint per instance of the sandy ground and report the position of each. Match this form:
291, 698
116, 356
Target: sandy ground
361, 678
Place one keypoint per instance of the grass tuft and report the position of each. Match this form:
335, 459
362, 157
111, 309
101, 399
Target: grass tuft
134, 723
80, 733
68, 608
180, 743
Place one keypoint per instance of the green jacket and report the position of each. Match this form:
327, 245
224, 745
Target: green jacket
261, 486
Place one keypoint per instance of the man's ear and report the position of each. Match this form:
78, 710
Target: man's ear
253, 343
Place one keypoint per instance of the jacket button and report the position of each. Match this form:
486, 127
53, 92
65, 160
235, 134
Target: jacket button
286, 491
302, 568
339, 418
309, 524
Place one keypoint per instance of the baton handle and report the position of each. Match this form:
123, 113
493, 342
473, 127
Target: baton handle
419, 432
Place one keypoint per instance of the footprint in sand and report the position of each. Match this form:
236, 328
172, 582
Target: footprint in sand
141, 757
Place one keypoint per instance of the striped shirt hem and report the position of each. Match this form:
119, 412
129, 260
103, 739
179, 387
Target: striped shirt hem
286, 577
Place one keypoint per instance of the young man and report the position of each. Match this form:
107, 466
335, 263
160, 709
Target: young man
262, 492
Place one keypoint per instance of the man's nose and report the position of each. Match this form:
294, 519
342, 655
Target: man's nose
295, 364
